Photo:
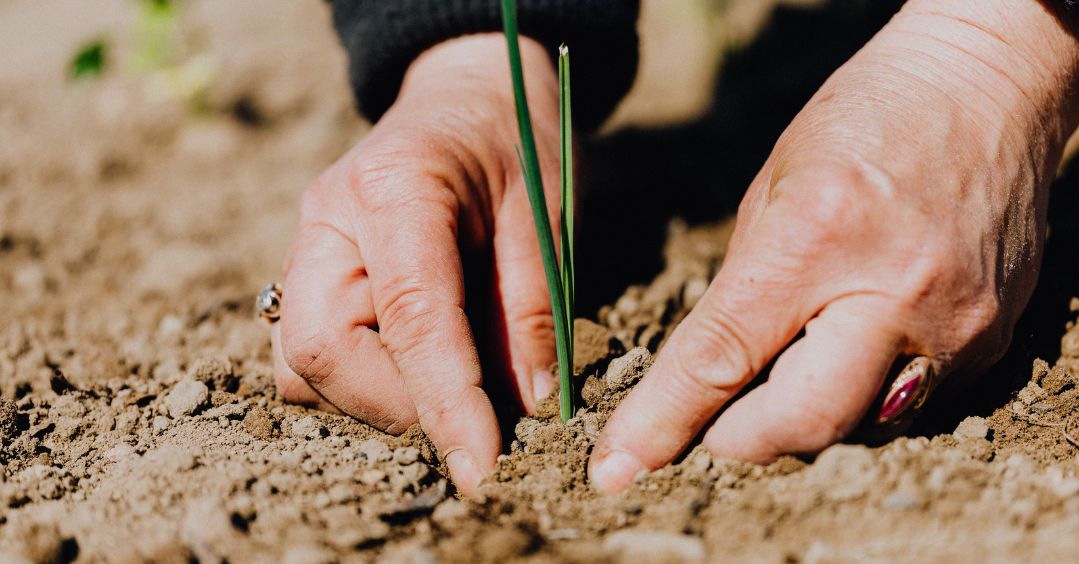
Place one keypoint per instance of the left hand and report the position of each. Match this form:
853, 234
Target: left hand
901, 213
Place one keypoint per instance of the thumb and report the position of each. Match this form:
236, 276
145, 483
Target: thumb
759, 301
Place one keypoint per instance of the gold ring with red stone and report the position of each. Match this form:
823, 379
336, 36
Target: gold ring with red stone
908, 391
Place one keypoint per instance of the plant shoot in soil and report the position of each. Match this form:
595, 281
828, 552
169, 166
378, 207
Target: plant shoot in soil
560, 276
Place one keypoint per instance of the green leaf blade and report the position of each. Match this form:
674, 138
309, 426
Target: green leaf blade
534, 185
567, 193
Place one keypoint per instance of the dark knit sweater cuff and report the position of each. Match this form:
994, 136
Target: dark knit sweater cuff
383, 37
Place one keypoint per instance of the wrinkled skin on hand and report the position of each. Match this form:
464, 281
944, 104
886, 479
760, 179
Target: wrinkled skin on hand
373, 319
901, 213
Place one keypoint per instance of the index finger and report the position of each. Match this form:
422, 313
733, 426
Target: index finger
408, 234
761, 298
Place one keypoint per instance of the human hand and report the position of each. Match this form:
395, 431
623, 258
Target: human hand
373, 319
901, 213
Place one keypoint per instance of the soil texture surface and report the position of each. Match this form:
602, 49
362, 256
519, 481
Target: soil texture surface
138, 416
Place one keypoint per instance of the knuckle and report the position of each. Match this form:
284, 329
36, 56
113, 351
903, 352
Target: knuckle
831, 201
428, 198
831, 209
715, 356
375, 176
412, 312
533, 325
318, 197
311, 356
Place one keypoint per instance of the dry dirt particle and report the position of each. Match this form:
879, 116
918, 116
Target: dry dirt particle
186, 397
625, 370
651, 546
9, 413
593, 344
257, 422
972, 428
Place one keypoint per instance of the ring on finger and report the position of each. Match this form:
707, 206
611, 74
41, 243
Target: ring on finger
268, 303
908, 392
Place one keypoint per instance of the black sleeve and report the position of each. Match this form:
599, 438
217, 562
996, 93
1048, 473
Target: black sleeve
382, 38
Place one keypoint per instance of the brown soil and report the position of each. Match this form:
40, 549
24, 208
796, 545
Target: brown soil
138, 419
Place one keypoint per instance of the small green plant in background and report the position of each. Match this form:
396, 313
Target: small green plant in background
162, 55
560, 276
89, 61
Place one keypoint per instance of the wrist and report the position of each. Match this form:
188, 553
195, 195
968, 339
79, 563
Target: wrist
476, 68
1020, 53
457, 101
464, 85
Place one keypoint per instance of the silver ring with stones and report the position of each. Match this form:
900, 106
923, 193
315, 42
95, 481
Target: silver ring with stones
268, 303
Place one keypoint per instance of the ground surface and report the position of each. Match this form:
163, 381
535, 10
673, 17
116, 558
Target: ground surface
138, 419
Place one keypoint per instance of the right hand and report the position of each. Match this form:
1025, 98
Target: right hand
373, 317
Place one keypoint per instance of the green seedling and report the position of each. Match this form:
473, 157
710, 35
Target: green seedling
560, 276
89, 62
156, 32
163, 56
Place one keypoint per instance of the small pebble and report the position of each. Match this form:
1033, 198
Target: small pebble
186, 397
119, 452
170, 326
1057, 380
449, 514
414, 473
374, 450
406, 455
627, 305
341, 493
1062, 486
625, 370
372, 477
843, 472
308, 428
161, 423
693, 291
972, 428
258, 423
900, 500
654, 546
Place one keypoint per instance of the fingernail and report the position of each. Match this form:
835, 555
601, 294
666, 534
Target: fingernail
466, 475
614, 470
543, 384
